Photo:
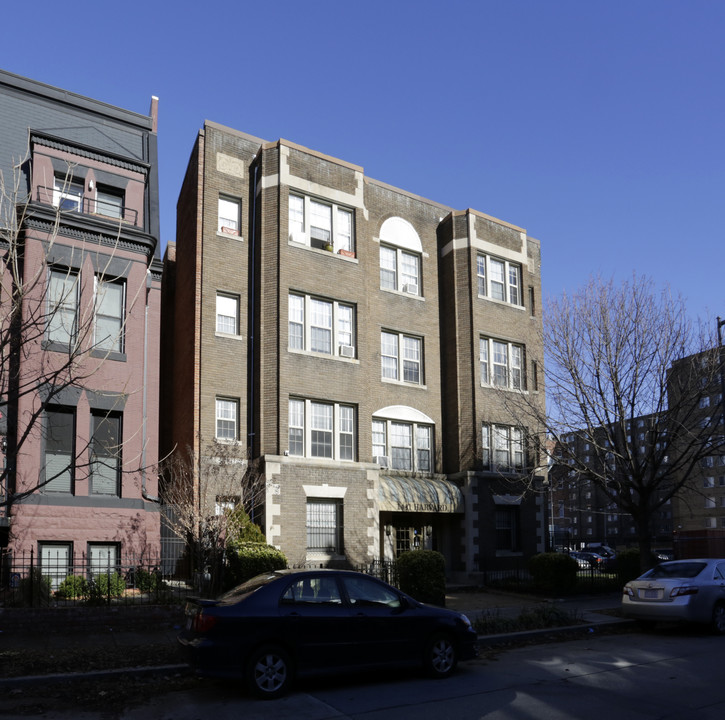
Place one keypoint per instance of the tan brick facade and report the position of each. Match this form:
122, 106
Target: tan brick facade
422, 415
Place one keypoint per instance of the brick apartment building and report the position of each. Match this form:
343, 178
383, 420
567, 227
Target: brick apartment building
354, 342
80, 391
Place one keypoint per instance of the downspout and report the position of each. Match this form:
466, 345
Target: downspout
252, 316
144, 422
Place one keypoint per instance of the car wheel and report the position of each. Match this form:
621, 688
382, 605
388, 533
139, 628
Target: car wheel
718, 618
269, 672
441, 656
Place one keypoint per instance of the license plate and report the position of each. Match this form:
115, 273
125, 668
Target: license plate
651, 594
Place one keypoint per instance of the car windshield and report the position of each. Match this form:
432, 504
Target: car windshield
676, 570
247, 588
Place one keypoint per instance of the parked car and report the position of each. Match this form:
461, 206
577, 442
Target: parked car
680, 590
595, 561
287, 623
583, 562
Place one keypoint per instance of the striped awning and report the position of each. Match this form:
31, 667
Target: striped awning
422, 495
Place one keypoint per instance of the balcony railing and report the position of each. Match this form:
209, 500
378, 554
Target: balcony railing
74, 202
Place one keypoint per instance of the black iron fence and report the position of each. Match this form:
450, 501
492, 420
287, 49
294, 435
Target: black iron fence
61, 579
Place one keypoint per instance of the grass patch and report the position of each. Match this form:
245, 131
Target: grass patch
538, 617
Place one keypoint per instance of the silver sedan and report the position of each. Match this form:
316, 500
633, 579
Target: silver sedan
679, 591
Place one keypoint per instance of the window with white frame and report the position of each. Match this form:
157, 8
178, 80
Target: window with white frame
502, 448
62, 306
68, 195
321, 429
109, 202
110, 299
227, 314
324, 525
227, 411
56, 561
499, 279
321, 224
59, 450
229, 216
321, 326
399, 270
103, 558
502, 364
408, 445
401, 357
106, 446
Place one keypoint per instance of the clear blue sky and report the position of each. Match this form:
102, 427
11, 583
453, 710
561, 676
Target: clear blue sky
597, 126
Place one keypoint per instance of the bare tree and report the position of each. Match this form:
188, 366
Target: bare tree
42, 307
202, 491
626, 373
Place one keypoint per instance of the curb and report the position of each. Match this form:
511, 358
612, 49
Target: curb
182, 668
583, 628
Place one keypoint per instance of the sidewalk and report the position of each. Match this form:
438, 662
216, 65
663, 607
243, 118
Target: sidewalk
144, 639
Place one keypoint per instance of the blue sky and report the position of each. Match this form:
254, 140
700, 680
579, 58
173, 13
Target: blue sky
597, 126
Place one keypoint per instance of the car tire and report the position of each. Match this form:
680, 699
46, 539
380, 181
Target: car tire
441, 656
269, 672
718, 619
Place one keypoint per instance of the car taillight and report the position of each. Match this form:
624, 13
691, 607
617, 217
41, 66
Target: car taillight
628, 591
203, 623
685, 590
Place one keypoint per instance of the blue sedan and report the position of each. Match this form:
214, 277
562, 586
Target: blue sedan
288, 623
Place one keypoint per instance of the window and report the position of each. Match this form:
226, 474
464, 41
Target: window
366, 591
313, 590
226, 419
399, 270
227, 314
109, 202
109, 315
499, 279
507, 528
503, 448
502, 364
68, 195
105, 453
321, 430
401, 357
321, 225
59, 447
62, 305
324, 526
102, 558
229, 216
408, 445
321, 326
55, 562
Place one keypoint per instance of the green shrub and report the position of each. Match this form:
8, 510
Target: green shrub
73, 587
146, 581
538, 617
241, 529
628, 565
105, 586
422, 574
247, 559
553, 572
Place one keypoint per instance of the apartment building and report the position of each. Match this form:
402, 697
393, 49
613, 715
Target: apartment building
354, 343
79, 236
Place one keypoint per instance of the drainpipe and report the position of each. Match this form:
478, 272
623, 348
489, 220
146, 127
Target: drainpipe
250, 370
144, 431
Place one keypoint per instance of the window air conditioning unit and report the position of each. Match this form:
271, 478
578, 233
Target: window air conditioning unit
299, 237
381, 460
347, 351
410, 288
